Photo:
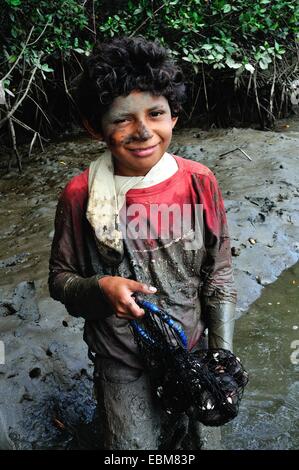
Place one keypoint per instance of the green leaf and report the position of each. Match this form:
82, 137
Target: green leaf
14, 3
226, 8
46, 68
249, 67
12, 59
79, 50
219, 49
263, 64
218, 65
14, 33
207, 47
232, 64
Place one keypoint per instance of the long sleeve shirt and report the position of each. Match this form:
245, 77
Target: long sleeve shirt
194, 281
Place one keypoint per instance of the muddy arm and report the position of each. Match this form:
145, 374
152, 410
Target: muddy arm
218, 294
220, 323
81, 295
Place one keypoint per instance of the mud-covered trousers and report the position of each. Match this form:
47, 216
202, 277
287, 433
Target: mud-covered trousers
131, 417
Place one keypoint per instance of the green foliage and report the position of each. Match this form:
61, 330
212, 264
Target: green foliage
46, 40
219, 33
223, 34
56, 26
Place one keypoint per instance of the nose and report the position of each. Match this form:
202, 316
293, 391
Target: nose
141, 132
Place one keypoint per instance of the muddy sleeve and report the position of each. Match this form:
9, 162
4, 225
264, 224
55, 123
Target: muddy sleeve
218, 294
81, 296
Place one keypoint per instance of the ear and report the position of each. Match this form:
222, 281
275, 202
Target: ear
174, 120
96, 135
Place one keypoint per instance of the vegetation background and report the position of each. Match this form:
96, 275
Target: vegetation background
240, 58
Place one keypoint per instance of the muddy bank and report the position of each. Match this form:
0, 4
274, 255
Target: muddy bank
46, 380
261, 198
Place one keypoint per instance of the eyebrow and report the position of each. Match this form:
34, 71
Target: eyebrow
115, 116
123, 115
158, 106
120, 116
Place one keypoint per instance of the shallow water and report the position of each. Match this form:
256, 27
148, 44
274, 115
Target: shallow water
265, 339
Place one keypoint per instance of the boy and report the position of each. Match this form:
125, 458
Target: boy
121, 229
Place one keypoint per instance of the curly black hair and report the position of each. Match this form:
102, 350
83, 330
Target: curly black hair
118, 67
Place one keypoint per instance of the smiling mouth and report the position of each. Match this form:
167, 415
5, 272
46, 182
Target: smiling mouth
143, 152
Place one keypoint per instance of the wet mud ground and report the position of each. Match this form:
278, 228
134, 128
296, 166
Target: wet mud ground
46, 381
267, 339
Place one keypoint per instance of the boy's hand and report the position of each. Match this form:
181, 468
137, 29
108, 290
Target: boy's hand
118, 291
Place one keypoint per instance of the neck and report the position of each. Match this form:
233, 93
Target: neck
123, 171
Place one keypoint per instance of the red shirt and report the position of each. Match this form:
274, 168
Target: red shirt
184, 278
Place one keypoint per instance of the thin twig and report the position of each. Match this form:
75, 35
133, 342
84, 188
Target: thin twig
32, 143
249, 84
282, 99
226, 153
195, 102
267, 110
15, 107
257, 98
64, 81
80, 65
14, 144
28, 128
40, 89
237, 148
19, 56
146, 20
23, 72
244, 153
94, 21
40, 141
35, 41
40, 108
272, 87
205, 88
89, 29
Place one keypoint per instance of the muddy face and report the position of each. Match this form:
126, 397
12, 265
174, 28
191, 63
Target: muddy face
137, 129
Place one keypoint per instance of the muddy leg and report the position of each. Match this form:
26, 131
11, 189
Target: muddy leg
130, 417
204, 437
173, 431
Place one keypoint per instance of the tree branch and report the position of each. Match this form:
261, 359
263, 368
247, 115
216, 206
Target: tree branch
20, 55
15, 107
146, 20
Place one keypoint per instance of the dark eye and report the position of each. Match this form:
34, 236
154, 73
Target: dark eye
156, 113
120, 121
